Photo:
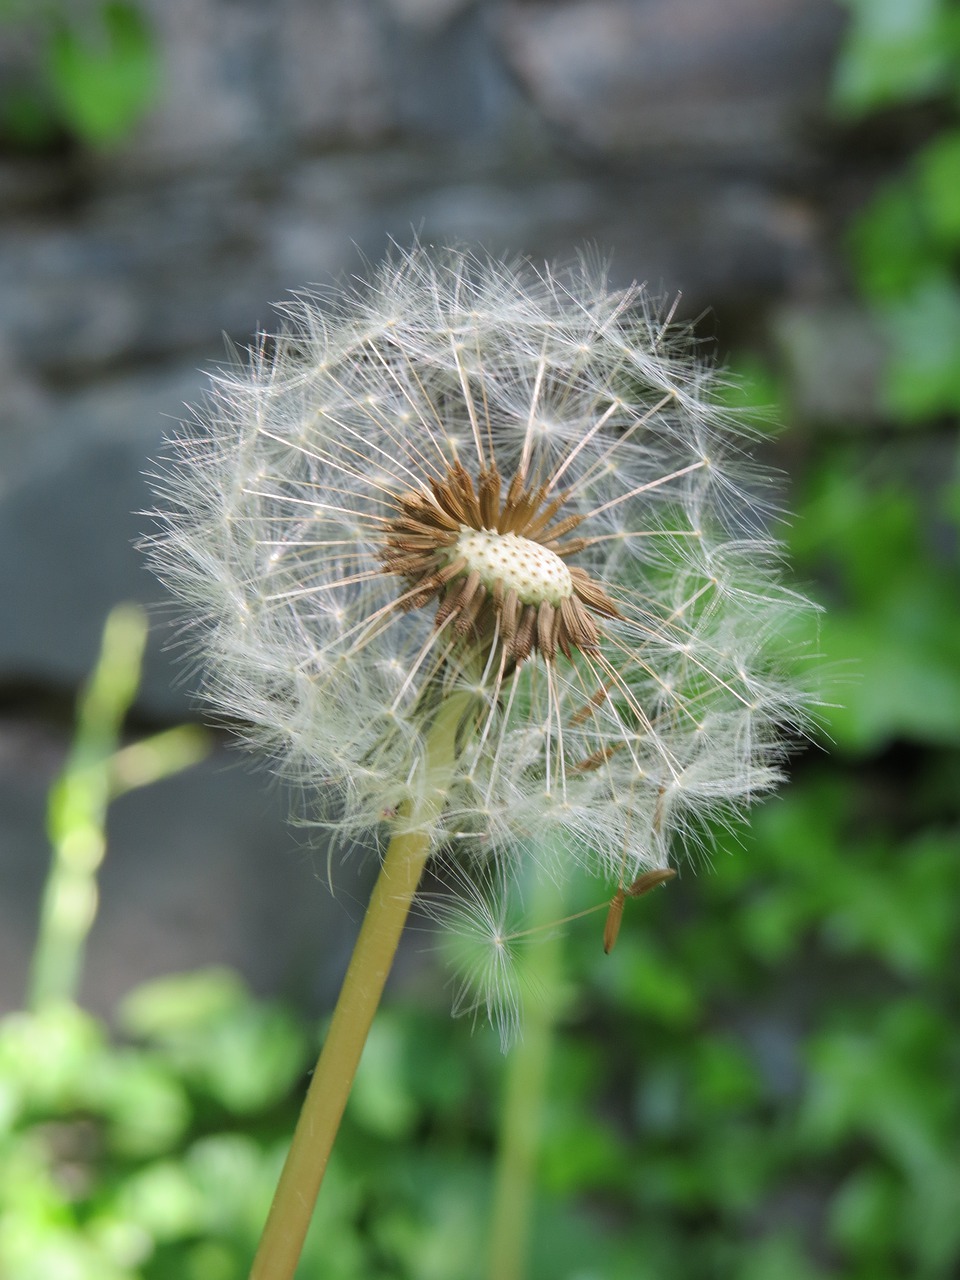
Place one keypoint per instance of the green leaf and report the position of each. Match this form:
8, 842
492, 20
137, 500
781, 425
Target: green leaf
894, 51
780, 1255
865, 1214
862, 1083
181, 1002
938, 180
380, 1099
145, 1106
726, 1078
889, 640
924, 332
578, 1154
651, 984
161, 1199
104, 81
245, 1054
46, 1059
901, 685
901, 906
889, 242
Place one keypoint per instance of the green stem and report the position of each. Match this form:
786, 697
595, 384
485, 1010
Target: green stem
77, 811
525, 1087
323, 1107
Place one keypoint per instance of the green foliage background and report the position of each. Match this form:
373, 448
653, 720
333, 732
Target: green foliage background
761, 1079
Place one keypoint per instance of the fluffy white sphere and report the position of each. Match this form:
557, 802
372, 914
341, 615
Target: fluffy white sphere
314, 520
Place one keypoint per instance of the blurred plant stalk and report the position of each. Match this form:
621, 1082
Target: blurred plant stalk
97, 771
525, 1089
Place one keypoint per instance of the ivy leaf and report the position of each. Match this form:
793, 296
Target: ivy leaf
894, 51
104, 85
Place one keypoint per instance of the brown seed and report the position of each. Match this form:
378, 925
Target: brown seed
649, 880
643, 884
611, 928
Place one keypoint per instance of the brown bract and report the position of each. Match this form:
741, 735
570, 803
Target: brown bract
421, 547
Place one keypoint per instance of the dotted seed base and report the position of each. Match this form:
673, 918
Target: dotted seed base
531, 570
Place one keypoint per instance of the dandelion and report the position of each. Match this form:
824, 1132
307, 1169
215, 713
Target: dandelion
474, 554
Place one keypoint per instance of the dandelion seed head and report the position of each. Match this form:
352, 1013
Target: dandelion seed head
473, 477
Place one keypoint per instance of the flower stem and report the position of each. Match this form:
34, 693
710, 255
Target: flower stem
77, 811
323, 1107
524, 1089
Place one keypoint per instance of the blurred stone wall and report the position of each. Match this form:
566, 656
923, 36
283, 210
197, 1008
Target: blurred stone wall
686, 138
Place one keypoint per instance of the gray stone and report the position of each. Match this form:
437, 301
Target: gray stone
243, 79
136, 273
642, 79
68, 524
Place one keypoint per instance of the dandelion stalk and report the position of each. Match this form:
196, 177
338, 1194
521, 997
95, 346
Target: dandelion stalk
400, 874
